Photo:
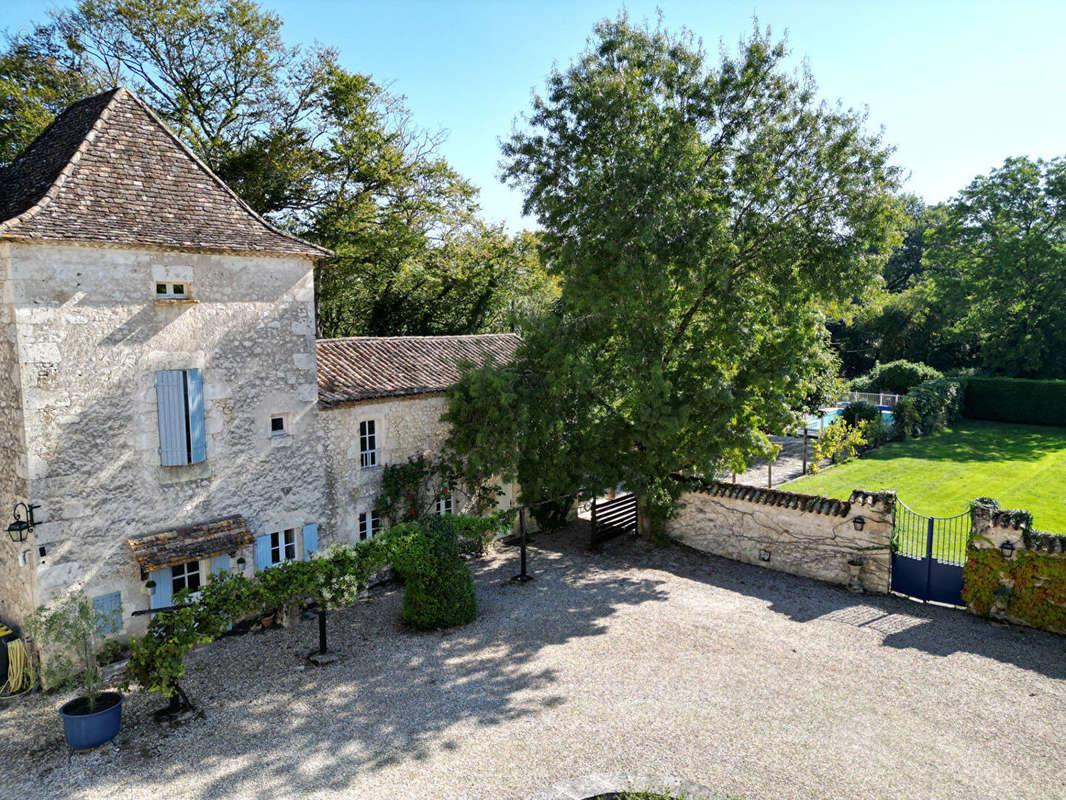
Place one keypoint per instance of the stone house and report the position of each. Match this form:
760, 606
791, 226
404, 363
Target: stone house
160, 406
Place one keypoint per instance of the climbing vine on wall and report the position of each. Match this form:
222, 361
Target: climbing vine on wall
1037, 595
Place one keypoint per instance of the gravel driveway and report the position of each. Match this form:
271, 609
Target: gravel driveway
642, 661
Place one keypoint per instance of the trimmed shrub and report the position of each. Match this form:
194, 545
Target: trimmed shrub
1030, 402
897, 377
438, 588
928, 407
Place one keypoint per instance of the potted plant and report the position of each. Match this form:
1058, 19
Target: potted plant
68, 637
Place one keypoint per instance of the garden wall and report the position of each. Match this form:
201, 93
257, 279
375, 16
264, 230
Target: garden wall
1026, 587
805, 535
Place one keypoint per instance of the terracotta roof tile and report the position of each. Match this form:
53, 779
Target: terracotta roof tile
369, 367
108, 170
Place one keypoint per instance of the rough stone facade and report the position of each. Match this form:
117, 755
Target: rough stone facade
405, 428
804, 535
18, 577
91, 335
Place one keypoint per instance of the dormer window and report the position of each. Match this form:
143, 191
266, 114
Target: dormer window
171, 291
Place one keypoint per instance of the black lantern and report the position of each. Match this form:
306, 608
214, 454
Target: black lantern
18, 529
859, 522
1007, 548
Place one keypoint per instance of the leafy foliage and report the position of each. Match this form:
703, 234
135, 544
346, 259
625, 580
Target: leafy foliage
1030, 402
67, 634
897, 377
701, 217
438, 588
860, 411
929, 407
321, 151
839, 442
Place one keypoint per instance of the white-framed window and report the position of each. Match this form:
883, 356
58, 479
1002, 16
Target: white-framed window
171, 291
185, 576
283, 546
279, 425
368, 444
369, 524
445, 505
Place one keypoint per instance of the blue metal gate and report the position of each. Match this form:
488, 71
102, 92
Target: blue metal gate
928, 554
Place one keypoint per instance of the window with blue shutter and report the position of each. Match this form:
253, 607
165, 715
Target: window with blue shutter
262, 552
180, 411
310, 535
109, 609
160, 595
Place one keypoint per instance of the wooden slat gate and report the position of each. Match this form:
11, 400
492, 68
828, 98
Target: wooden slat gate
613, 518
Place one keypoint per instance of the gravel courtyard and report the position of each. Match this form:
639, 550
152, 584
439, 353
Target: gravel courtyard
643, 661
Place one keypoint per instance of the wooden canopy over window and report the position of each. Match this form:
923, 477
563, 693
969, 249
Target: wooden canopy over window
176, 546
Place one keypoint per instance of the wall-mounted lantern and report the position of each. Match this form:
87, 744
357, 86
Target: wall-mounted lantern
859, 522
764, 555
1007, 548
22, 526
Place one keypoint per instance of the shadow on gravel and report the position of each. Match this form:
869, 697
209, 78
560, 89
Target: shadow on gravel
273, 727
903, 623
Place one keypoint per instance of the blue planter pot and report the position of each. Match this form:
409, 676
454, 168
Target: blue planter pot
87, 730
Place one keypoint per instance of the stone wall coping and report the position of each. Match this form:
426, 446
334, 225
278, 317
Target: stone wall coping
810, 503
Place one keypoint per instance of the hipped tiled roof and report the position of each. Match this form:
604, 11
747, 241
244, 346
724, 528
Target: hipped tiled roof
167, 548
108, 170
369, 367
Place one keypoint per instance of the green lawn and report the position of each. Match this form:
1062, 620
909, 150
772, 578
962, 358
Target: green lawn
1021, 466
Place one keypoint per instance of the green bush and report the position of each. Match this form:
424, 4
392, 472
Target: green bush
928, 407
897, 377
860, 411
438, 588
1029, 402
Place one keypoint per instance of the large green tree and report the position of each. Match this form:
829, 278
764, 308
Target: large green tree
702, 217
319, 150
998, 262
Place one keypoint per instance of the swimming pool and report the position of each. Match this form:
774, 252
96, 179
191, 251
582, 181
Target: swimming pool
815, 423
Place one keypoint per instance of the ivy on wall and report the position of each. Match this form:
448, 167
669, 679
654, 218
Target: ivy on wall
1029, 588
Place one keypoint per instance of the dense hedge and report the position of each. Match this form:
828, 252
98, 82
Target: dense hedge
898, 377
928, 407
1016, 400
438, 588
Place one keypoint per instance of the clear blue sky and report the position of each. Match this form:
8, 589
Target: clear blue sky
957, 86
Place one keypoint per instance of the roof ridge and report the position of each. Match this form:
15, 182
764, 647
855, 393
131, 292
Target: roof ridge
211, 174
61, 177
415, 337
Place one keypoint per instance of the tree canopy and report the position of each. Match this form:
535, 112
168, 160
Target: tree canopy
701, 218
321, 151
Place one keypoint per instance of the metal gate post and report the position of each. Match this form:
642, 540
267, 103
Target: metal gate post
928, 560
522, 576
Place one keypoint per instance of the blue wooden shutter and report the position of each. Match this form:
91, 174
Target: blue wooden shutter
197, 439
109, 606
262, 552
162, 595
310, 540
170, 403
219, 564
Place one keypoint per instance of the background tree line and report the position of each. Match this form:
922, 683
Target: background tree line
978, 282
320, 151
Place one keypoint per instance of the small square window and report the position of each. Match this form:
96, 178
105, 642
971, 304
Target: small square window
277, 425
445, 504
369, 525
172, 291
283, 546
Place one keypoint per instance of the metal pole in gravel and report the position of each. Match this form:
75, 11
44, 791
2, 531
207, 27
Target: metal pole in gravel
522, 576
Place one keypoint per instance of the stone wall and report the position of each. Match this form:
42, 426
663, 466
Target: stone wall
17, 573
91, 335
405, 428
801, 534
